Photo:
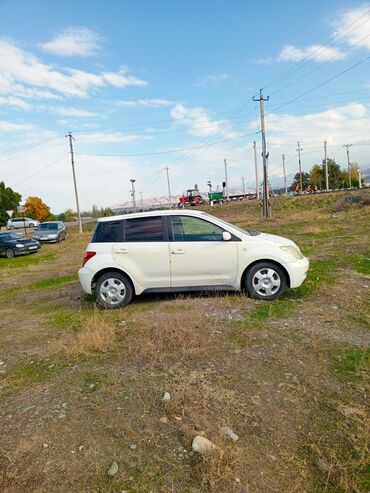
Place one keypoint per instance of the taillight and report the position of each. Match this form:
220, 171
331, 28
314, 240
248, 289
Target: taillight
87, 257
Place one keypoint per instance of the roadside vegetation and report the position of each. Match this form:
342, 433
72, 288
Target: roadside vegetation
81, 389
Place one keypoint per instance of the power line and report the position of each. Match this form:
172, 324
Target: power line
40, 170
170, 150
321, 49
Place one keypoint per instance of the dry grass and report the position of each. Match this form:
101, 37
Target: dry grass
96, 335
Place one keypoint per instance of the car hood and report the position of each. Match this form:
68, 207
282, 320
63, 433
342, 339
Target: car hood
278, 240
24, 241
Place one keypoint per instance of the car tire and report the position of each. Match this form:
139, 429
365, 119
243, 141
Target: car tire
9, 253
113, 290
265, 281
31, 225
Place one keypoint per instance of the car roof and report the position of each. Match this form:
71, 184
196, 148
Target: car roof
174, 212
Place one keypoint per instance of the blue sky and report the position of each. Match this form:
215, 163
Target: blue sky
136, 80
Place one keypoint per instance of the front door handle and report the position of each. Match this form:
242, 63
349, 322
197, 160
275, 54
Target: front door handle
178, 251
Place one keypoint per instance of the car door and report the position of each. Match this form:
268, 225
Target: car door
2, 244
199, 255
144, 253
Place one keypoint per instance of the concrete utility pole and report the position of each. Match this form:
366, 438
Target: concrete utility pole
347, 146
299, 149
142, 201
168, 185
326, 166
71, 139
359, 178
285, 185
256, 170
226, 181
266, 209
133, 194
243, 186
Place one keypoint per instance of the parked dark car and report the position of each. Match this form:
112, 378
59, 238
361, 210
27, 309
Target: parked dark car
12, 244
50, 232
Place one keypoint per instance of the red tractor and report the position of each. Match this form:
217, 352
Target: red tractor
192, 197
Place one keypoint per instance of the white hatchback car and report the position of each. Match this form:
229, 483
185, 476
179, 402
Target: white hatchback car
179, 251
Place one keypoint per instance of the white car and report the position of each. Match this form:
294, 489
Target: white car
20, 222
179, 251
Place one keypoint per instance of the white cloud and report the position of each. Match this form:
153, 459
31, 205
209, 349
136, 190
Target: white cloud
14, 102
109, 138
74, 41
76, 112
21, 67
199, 122
154, 103
317, 53
212, 80
353, 26
14, 127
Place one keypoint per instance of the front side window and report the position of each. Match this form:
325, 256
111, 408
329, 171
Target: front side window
144, 229
186, 228
108, 232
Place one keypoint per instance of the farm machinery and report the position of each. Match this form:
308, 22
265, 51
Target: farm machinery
192, 198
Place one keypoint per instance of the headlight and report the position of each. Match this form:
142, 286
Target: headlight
19, 245
293, 251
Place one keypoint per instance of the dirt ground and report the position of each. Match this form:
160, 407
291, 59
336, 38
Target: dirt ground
81, 388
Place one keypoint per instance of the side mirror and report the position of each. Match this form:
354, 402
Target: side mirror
226, 236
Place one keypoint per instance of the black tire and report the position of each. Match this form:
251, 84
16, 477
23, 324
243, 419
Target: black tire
265, 281
106, 297
31, 225
9, 253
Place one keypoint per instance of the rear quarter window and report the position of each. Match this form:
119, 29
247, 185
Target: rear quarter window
108, 232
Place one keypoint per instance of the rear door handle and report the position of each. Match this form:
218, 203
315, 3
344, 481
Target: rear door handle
178, 252
121, 250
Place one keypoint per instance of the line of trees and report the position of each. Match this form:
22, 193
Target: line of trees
338, 178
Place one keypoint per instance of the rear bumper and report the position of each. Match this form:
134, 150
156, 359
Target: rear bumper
86, 276
297, 271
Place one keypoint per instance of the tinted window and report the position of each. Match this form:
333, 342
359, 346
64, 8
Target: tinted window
108, 231
48, 226
144, 229
186, 228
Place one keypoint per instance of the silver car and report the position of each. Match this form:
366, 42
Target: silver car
50, 232
20, 222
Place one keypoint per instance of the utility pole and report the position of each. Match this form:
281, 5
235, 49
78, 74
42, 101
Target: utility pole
70, 137
142, 201
226, 181
266, 206
286, 188
243, 186
133, 194
256, 170
299, 149
347, 146
326, 166
168, 185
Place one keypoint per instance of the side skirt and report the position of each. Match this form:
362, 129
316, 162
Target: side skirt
193, 289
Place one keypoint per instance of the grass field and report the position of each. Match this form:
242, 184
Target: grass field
81, 388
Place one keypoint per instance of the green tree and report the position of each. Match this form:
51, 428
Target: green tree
316, 176
9, 200
305, 180
334, 173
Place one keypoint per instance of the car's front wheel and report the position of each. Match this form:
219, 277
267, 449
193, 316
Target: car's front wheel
265, 281
113, 290
9, 253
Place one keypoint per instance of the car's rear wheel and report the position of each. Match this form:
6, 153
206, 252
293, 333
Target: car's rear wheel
265, 281
9, 253
113, 290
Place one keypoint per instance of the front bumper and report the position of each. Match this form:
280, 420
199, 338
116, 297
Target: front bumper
297, 271
25, 250
47, 240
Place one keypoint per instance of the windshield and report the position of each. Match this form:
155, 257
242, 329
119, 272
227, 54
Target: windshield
12, 236
241, 230
47, 226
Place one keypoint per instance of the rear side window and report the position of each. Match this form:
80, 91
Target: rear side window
108, 232
144, 229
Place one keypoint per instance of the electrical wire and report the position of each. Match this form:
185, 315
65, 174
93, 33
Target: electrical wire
40, 170
319, 50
